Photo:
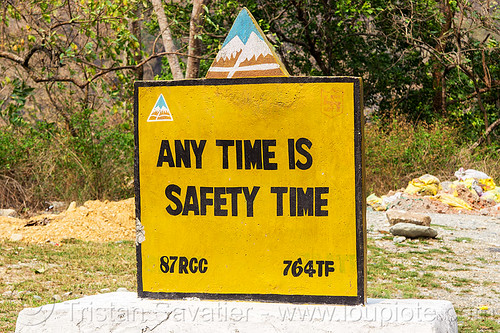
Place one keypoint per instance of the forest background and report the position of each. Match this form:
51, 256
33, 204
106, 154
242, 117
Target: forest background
430, 69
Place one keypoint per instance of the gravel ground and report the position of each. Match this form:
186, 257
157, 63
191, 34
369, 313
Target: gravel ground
470, 274
465, 260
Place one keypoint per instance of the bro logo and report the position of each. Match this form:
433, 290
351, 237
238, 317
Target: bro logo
160, 111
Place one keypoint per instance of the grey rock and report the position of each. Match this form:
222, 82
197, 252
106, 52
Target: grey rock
8, 213
105, 290
36, 297
56, 206
399, 239
401, 216
410, 230
121, 289
56, 298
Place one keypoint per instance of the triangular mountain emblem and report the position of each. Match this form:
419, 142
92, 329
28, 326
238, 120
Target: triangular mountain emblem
160, 111
246, 52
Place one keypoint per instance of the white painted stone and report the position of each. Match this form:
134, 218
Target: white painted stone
124, 312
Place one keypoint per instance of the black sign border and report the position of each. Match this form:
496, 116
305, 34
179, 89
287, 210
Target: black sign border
359, 162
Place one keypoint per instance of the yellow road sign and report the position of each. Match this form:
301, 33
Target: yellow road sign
251, 189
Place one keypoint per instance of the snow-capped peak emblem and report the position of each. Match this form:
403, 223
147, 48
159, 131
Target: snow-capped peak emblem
246, 52
160, 111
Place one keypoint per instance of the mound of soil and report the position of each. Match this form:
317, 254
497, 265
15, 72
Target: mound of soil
98, 221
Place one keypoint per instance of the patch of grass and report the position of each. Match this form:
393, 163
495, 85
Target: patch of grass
463, 239
428, 280
445, 227
405, 272
451, 260
383, 265
434, 284
71, 270
460, 282
407, 244
467, 325
461, 269
436, 268
438, 251
447, 249
408, 288
379, 291
408, 274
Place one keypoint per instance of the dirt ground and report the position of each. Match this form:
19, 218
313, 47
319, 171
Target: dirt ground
103, 221
470, 275
469, 272
98, 221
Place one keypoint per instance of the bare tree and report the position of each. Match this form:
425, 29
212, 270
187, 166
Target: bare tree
194, 47
194, 40
168, 42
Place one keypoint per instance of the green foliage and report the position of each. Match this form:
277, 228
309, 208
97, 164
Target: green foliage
41, 162
67, 135
11, 108
398, 151
98, 163
401, 49
65, 114
218, 18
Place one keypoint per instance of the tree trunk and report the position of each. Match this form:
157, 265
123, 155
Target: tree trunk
136, 31
438, 77
168, 42
194, 47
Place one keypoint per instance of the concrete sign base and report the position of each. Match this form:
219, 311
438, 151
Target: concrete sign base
125, 312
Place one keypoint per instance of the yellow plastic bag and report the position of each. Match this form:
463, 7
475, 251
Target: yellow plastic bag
487, 184
478, 185
452, 201
424, 185
472, 185
375, 202
492, 195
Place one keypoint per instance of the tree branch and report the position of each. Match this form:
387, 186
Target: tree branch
486, 133
494, 85
12, 57
24, 62
310, 39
